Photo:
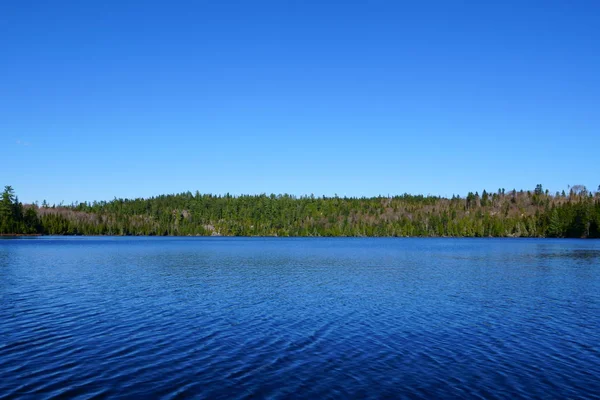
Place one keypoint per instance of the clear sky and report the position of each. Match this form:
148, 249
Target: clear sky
136, 98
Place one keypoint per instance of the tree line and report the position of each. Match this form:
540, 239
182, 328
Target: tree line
535, 213
16, 218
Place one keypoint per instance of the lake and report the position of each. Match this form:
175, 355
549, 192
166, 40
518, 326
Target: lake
97, 317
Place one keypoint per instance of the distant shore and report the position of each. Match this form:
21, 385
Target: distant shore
536, 213
310, 236
19, 234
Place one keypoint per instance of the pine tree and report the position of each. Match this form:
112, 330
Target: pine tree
555, 226
7, 211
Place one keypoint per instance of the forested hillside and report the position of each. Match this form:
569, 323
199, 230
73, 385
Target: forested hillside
534, 213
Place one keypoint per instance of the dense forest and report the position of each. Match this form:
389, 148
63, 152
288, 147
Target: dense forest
536, 213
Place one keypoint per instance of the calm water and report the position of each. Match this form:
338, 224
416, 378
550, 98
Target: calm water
310, 318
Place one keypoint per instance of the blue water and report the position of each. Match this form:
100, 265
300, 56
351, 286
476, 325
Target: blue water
299, 318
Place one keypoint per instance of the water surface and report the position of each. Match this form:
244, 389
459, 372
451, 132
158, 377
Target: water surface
309, 318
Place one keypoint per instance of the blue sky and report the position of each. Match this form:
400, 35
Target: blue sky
133, 99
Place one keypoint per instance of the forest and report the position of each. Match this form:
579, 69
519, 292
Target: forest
532, 213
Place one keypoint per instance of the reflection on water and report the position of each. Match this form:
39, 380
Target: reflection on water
311, 318
574, 254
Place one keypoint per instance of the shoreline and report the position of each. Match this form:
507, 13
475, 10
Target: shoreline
24, 234
292, 237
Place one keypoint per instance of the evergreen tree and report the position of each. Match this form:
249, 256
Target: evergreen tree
555, 226
7, 211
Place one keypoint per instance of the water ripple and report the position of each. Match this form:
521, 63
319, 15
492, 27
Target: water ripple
300, 318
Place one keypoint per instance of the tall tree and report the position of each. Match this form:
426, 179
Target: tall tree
7, 211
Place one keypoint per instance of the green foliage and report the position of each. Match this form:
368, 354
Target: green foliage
14, 218
518, 214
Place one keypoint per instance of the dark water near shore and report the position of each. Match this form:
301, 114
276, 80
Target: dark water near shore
308, 318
